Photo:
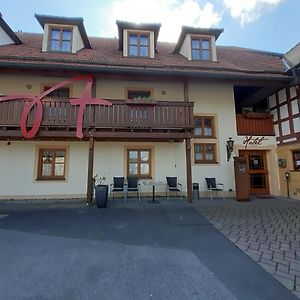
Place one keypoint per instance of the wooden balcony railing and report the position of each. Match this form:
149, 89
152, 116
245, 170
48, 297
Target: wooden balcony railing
255, 124
60, 114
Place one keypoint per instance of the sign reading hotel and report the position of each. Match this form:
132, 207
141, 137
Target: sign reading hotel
254, 141
83, 101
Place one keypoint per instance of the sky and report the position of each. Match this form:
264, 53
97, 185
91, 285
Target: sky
270, 25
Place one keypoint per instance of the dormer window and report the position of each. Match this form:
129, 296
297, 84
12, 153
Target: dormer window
138, 44
198, 44
138, 40
63, 34
201, 48
60, 39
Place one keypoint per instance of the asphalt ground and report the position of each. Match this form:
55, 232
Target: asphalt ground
134, 250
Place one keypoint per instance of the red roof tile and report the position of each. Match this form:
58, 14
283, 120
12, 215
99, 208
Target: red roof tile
105, 54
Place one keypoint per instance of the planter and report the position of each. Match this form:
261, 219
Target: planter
101, 195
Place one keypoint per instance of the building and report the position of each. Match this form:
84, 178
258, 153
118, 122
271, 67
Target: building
284, 105
73, 106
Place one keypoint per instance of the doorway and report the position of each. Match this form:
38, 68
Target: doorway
258, 174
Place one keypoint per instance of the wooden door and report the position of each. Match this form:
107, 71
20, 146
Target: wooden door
257, 171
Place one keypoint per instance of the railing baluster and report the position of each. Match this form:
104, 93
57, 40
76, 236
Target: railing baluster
60, 113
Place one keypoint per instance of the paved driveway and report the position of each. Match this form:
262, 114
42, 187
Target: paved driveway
268, 230
65, 250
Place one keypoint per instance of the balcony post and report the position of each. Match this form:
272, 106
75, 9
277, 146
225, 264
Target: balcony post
89, 196
90, 183
186, 91
188, 169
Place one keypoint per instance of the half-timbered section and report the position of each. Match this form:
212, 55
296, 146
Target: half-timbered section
73, 106
284, 105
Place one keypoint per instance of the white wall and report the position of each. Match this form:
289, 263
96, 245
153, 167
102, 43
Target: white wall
18, 163
4, 38
168, 159
215, 99
19, 167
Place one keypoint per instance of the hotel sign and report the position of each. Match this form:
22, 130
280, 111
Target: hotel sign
254, 141
82, 102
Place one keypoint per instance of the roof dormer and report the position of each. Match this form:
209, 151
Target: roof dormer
198, 44
7, 36
138, 40
63, 34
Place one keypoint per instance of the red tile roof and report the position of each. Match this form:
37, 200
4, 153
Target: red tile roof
104, 55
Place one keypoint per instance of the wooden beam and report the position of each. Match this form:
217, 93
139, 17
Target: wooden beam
188, 170
89, 194
257, 96
111, 135
186, 91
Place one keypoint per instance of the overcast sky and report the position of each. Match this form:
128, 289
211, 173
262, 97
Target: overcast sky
271, 25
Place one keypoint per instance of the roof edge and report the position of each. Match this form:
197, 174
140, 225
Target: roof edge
9, 31
118, 69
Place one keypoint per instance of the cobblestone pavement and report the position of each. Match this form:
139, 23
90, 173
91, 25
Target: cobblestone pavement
268, 230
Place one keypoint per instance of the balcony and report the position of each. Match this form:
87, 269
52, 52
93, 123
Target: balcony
255, 124
156, 120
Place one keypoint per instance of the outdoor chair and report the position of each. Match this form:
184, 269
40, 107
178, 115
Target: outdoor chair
173, 186
133, 186
116, 186
213, 186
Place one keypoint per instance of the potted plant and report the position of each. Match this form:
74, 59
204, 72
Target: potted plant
101, 191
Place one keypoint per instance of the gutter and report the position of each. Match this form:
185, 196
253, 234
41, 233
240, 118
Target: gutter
119, 70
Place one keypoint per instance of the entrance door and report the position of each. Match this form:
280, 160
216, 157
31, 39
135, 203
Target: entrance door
258, 171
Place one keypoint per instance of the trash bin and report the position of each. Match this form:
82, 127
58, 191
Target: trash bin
195, 191
101, 195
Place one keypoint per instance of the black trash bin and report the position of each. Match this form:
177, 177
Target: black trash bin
101, 195
195, 191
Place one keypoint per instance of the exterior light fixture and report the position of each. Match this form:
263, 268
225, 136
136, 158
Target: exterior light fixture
229, 148
287, 178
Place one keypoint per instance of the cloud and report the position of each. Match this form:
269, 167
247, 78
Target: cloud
172, 14
249, 10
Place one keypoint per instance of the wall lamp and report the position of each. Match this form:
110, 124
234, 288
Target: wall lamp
229, 148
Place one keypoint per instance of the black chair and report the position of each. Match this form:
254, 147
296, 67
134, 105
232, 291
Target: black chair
117, 186
133, 186
213, 186
173, 186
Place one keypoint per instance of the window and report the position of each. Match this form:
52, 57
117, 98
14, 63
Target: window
136, 94
205, 153
51, 164
139, 163
60, 39
138, 44
201, 48
63, 92
204, 127
296, 160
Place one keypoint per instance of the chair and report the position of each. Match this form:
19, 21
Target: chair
133, 186
117, 186
173, 186
213, 186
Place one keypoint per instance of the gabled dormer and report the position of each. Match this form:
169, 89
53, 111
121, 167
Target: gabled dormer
198, 44
138, 40
63, 34
7, 36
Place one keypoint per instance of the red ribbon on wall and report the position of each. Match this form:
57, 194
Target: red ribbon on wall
83, 101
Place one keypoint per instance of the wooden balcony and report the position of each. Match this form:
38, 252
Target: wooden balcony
157, 120
255, 124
